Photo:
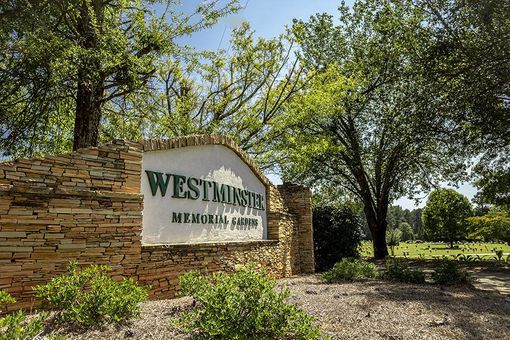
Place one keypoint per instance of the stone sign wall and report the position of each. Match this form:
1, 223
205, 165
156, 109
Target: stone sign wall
88, 206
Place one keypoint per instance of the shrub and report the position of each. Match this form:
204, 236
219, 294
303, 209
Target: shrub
449, 273
5, 298
397, 270
89, 296
337, 234
242, 305
16, 326
349, 269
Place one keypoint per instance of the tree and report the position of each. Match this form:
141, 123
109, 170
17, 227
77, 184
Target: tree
62, 62
494, 181
236, 93
444, 216
365, 123
407, 231
467, 63
336, 234
393, 237
415, 221
494, 226
397, 215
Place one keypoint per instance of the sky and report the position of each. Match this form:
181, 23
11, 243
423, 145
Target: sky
269, 18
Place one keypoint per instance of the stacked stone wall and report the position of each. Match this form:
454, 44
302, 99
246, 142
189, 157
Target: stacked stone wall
298, 201
86, 207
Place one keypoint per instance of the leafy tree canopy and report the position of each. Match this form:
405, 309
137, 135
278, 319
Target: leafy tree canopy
365, 122
444, 215
467, 63
407, 231
494, 226
235, 92
62, 62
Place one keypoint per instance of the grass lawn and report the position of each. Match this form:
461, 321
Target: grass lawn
431, 250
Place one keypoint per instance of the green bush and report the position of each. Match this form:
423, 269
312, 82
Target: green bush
337, 233
89, 296
449, 273
397, 270
16, 326
349, 269
242, 305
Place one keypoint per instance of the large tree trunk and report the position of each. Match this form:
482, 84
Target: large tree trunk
379, 242
90, 85
88, 113
378, 225
378, 231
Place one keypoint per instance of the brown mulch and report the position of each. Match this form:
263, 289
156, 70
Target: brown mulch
352, 310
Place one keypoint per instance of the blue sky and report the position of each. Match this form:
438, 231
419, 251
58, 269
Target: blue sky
268, 18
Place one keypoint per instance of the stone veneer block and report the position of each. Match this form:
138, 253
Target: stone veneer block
87, 206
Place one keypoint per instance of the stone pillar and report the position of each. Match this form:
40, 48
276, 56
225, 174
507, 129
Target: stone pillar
298, 201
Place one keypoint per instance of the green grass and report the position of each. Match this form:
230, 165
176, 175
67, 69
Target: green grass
434, 250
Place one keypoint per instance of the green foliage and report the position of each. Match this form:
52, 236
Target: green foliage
493, 181
145, 84
243, 305
5, 298
365, 122
398, 270
90, 297
16, 325
58, 55
467, 64
444, 215
494, 226
350, 269
236, 92
407, 231
393, 238
336, 234
449, 273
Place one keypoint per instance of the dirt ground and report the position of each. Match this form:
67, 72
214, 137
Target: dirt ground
354, 310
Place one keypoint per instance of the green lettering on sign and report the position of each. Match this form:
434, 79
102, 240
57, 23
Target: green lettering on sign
195, 218
156, 181
179, 186
194, 190
176, 217
206, 186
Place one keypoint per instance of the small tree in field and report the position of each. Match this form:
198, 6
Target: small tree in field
407, 231
444, 215
393, 238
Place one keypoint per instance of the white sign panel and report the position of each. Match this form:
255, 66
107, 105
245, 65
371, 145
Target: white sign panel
200, 194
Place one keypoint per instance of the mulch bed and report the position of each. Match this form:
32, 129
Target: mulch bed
351, 310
